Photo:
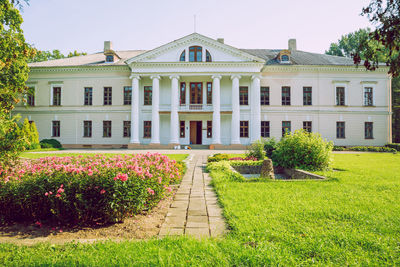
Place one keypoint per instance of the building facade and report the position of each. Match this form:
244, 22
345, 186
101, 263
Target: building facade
197, 90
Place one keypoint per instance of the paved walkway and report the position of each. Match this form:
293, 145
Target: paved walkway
195, 210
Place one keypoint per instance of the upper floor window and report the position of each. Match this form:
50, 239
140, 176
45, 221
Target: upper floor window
31, 97
307, 96
340, 96
264, 95
107, 96
285, 96
88, 97
368, 96
284, 58
209, 93
56, 96
148, 95
127, 95
183, 56
195, 54
208, 56
244, 95
110, 58
182, 94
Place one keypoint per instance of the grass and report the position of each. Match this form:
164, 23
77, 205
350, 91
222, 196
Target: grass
177, 157
351, 219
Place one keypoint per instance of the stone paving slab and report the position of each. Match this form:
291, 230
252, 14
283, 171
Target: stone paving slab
195, 210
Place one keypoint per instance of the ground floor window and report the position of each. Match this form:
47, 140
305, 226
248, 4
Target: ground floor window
307, 125
56, 128
286, 127
209, 129
369, 129
265, 129
87, 128
147, 129
106, 128
244, 128
182, 129
127, 129
340, 129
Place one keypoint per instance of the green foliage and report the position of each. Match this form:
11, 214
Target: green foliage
270, 146
394, 146
339, 148
221, 172
256, 150
55, 54
245, 163
29, 130
307, 151
50, 143
218, 157
12, 141
387, 148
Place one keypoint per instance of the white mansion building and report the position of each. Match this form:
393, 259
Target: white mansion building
197, 90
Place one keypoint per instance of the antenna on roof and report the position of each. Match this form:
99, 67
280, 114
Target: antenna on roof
194, 22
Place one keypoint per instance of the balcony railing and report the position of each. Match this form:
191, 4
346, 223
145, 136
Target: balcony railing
195, 107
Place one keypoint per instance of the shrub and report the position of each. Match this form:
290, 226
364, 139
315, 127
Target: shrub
221, 171
218, 157
245, 159
52, 142
246, 163
308, 151
394, 146
372, 149
339, 148
256, 150
12, 141
85, 190
34, 136
269, 146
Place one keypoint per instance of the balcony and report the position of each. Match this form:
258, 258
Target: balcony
196, 108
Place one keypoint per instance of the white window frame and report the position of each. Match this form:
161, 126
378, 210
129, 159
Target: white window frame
341, 84
368, 85
51, 92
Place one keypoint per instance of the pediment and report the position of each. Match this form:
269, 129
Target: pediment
171, 52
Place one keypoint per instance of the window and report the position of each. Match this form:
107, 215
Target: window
107, 96
147, 129
209, 93
284, 58
265, 129
307, 96
286, 127
195, 54
56, 96
182, 129
340, 97
244, 95
127, 95
31, 97
285, 96
264, 95
55, 129
209, 129
87, 128
340, 129
106, 128
369, 130
148, 95
127, 129
368, 97
88, 96
244, 128
307, 125
183, 94
110, 58
183, 56
208, 56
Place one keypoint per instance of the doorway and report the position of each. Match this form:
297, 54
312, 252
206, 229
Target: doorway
195, 132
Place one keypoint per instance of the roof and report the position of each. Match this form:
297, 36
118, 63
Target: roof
297, 58
300, 57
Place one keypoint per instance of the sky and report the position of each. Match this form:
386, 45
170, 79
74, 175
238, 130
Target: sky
84, 25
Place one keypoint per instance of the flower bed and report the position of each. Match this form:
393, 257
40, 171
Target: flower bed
85, 190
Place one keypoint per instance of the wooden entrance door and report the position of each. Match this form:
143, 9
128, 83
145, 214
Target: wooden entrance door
195, 132
196, 93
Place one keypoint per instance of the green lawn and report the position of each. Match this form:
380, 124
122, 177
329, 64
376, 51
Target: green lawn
30, 155
351, 219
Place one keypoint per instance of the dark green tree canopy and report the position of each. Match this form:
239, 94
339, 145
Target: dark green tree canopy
55, 54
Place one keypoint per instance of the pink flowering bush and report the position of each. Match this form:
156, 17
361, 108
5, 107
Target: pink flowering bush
86, 190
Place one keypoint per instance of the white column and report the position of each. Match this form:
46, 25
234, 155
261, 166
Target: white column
174, 126
216, 122
135, 110
235, 124
155, 116
255, 108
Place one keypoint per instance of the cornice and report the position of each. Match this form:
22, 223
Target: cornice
320, 68
80, 68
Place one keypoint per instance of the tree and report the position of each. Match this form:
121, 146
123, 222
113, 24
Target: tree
34, 138
348, 44
55, 54
385, 15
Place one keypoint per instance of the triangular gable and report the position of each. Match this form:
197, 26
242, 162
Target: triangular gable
199, 39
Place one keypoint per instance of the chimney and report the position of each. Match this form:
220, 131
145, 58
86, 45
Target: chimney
220, 40
292, 45
107, 46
